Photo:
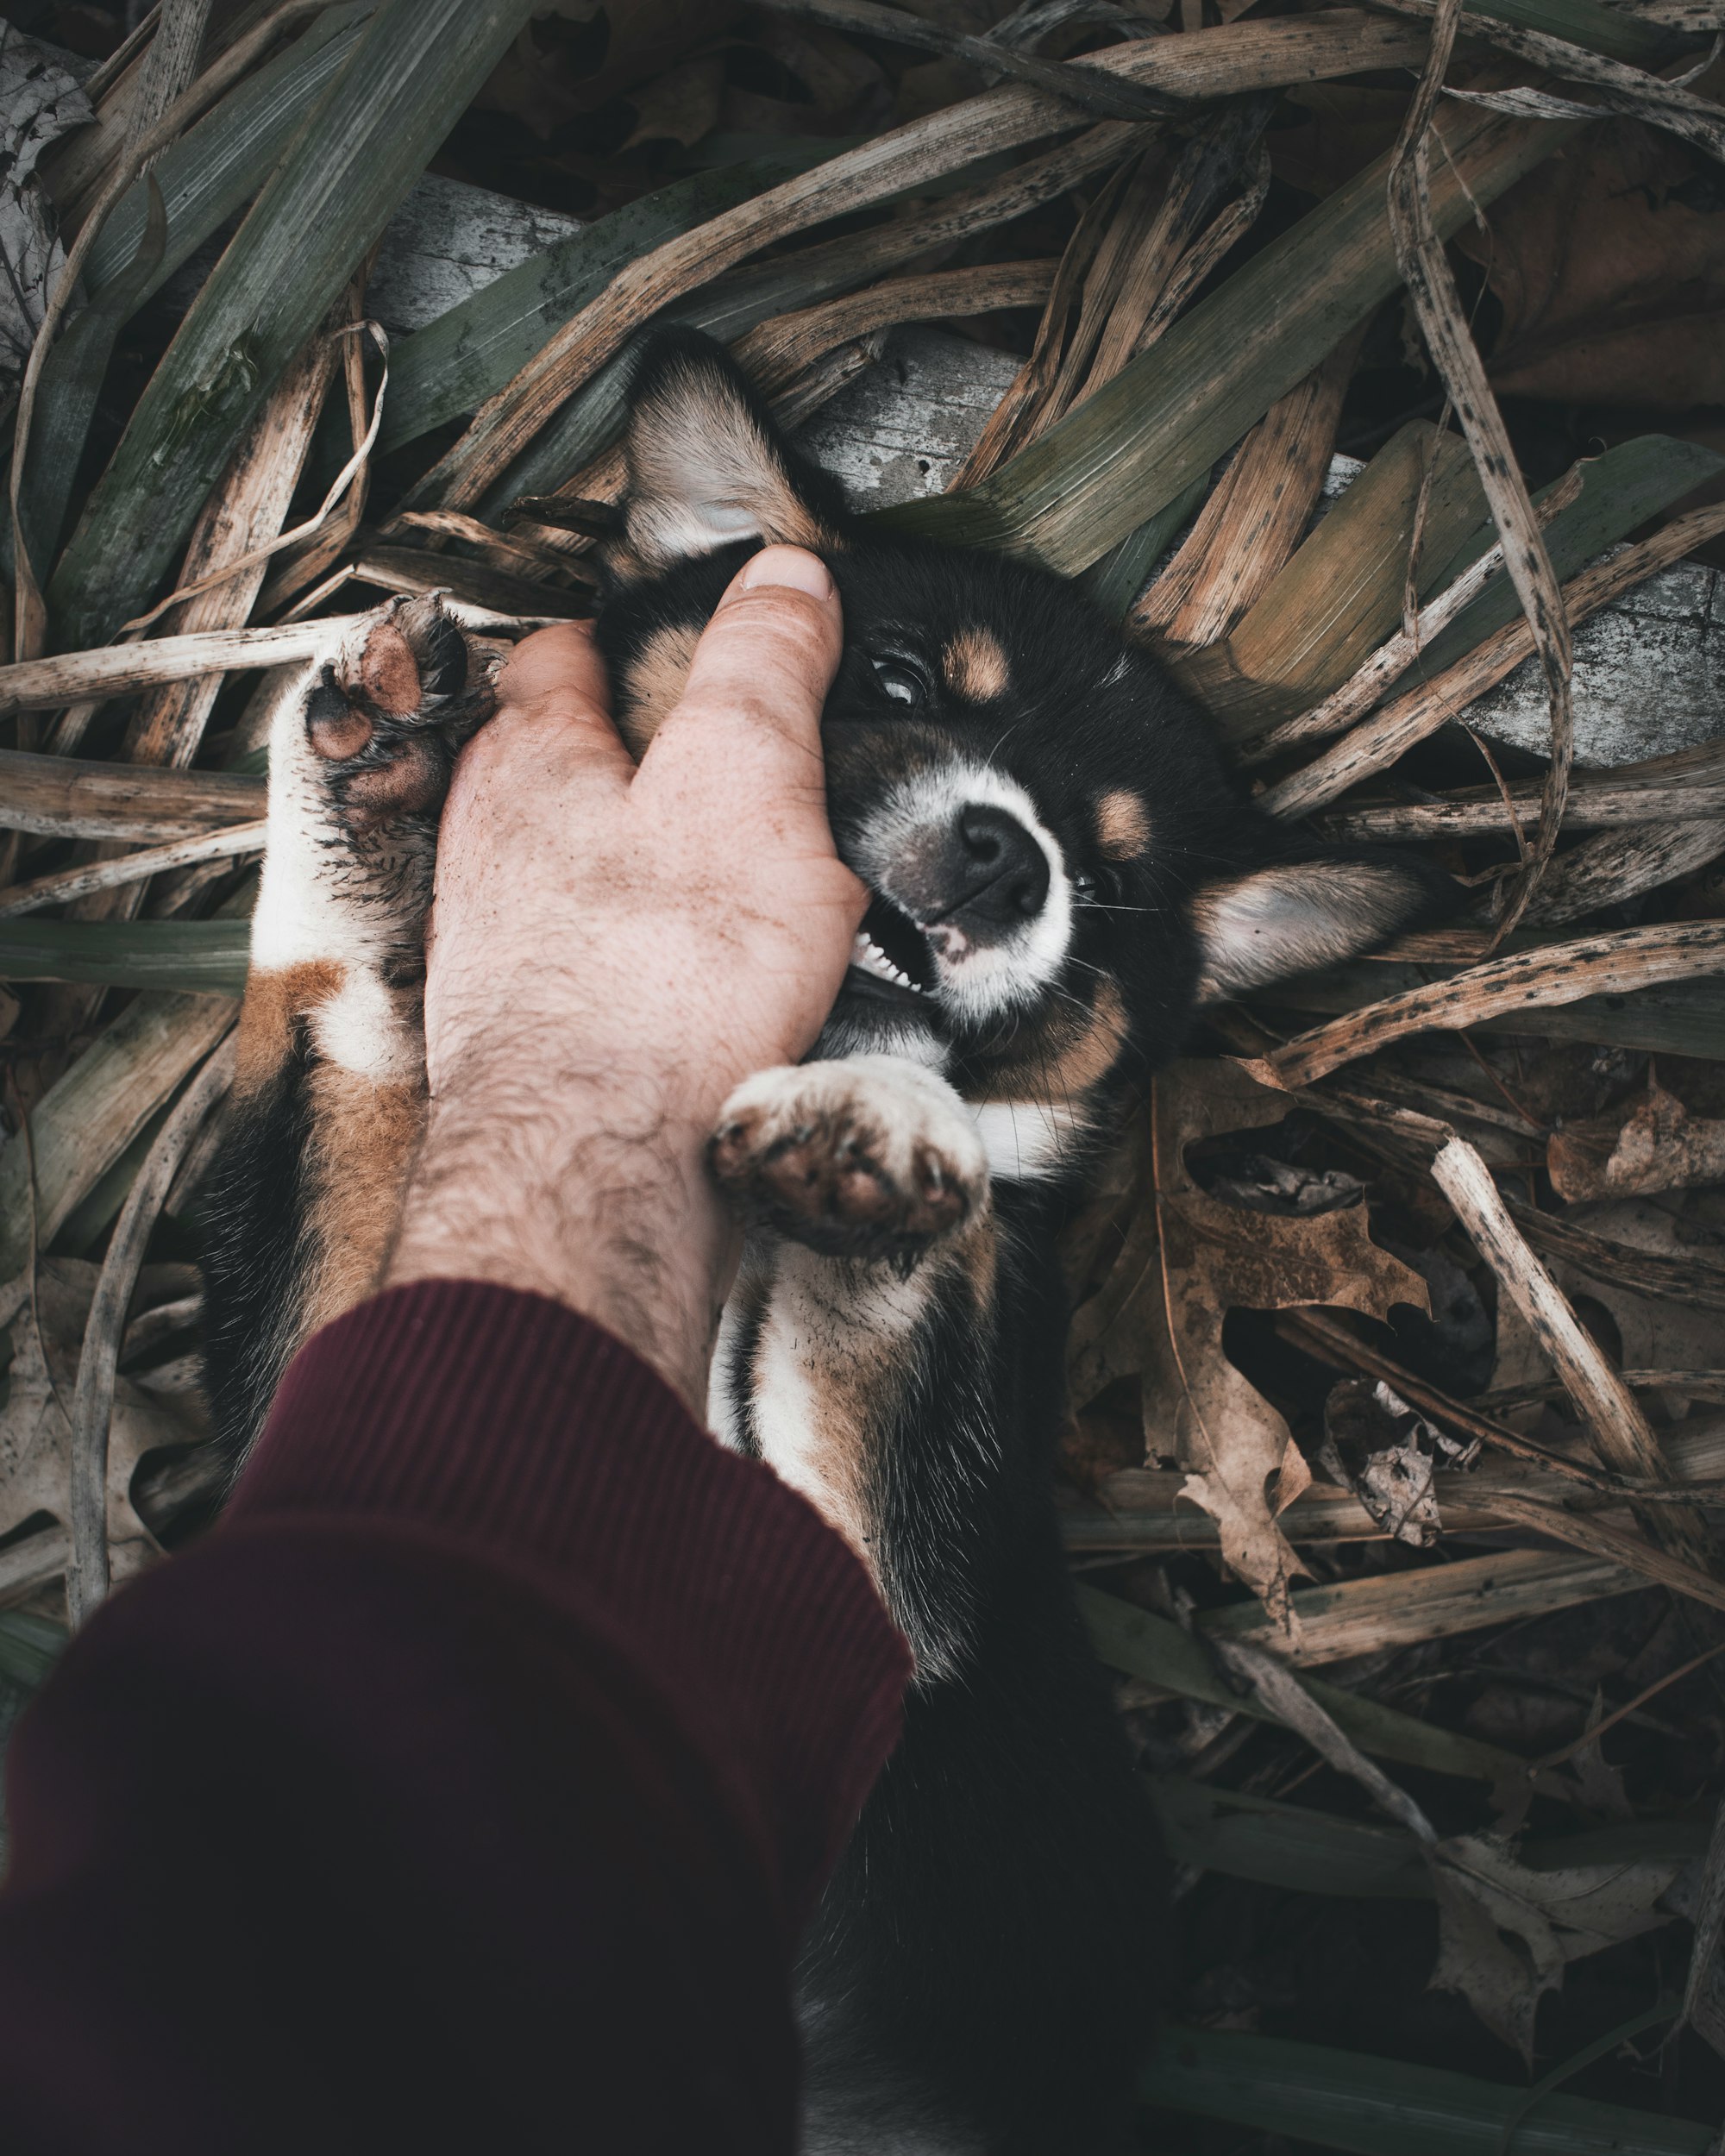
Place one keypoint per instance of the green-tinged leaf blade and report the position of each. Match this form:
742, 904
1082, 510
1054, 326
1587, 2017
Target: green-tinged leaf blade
1160, 424
1144, 1645
1116, 581
1385, 2107
1596, 28
453, 365
200, 958
220, 163
1627, 486
414, 68
71, 382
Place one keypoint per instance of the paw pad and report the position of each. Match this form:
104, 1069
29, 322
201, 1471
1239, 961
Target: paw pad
848, 1164
388, 717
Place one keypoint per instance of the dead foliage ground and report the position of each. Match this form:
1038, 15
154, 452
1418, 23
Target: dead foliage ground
1394, 1471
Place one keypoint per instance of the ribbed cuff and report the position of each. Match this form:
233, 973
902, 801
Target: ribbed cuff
532, 1437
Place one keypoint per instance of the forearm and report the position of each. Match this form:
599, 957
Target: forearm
590, 1189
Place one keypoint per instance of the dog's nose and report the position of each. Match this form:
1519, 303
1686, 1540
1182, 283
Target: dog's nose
996, 872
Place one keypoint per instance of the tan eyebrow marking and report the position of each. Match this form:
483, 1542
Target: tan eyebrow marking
1122, 825
975, 666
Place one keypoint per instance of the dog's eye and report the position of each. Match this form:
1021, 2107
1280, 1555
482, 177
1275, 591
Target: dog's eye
900, 679
1097, 887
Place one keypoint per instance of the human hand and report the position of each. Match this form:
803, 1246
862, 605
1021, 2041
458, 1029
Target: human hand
613, 950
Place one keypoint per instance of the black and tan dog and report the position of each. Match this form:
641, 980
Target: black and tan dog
1062, 878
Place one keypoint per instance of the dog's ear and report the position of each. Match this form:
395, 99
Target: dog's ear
708, 465
1299, 915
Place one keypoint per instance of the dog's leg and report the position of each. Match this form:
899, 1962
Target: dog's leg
329, 1096
868, 1288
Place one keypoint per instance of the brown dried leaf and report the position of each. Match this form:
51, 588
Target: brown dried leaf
1658, 1145
1161, 1312
1506, 1933
575, 55
681, 105
1610, 263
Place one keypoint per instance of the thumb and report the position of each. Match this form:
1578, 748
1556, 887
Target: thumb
762, 668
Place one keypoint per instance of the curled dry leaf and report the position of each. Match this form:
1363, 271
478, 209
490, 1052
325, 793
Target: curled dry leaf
1505, 1933
1160, 1316
1659, 1145
1376, 1446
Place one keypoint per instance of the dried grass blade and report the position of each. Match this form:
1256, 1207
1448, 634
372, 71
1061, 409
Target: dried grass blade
65, 884
1255, 518
1389, 733
1081, 84
413, 70
1288, 1700
169, 65
1617, 89
210, 170
1146, 436
86, 1576
1616, 1546
117, 670
1129, 267
1621, 1432
593, 418
1610, 964
453, 364
1615, 865
1432, 287
1204, 63
1132, 1639
61, 797
1357, 695
1380, 1610
193, 957
1686, 1280
89, 1117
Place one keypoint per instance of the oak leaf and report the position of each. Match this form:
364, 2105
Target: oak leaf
1187, 1260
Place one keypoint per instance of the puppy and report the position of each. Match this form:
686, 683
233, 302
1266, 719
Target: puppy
1062, 878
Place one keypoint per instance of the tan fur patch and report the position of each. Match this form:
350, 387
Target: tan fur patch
1122, 825
653, 686
1293, 919
1071, 1052
274, 1004
975, 665
363, 1138
701, 474
851, 1337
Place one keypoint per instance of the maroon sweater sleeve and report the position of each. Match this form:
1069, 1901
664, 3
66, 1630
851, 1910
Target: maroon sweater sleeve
465, 1790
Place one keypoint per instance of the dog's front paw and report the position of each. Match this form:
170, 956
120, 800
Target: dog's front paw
872, 1159
387, 720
